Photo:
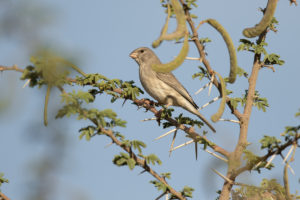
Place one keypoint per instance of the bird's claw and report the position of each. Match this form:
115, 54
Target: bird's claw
158, 116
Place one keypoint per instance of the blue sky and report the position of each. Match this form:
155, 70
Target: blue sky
100, 35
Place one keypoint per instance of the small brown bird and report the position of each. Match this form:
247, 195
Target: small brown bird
163, 87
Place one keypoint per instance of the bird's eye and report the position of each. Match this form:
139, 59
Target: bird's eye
142, 51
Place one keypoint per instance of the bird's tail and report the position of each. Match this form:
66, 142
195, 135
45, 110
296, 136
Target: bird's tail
205, 121
193, 109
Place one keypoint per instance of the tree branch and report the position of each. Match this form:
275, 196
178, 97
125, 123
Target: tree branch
150, 105
147, 104
200, 48
141, 162
13, 68
235, 159
3, 197
277, 151
227, 185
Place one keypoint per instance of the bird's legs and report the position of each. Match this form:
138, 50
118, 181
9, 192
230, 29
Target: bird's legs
169, 102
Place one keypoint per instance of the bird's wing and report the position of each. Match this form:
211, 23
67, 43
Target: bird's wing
171, 80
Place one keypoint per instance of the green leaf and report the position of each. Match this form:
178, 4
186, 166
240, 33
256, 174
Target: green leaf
203, 73
31, 74
273, 59
159, 185
2, 179
191, 3
204, 40
88, 132
241, 72
187, 191
136, 144
270, 187
124, 159
269, 142
297, 114
166, 175
153, 159
51, 67
259, 102
184, 120
131, 163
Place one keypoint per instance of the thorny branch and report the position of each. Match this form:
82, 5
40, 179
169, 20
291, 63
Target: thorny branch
140, 162
206, 63
277, 151
234, 157
285, 173
3, 196
149, 105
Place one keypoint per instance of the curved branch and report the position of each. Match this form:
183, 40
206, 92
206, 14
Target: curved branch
206, 63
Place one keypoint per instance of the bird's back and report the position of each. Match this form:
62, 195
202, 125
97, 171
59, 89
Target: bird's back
171, 80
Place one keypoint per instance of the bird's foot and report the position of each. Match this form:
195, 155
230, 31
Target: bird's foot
158, 116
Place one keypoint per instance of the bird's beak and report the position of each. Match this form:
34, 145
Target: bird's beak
133, 55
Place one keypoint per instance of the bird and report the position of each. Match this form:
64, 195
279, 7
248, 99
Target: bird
163, 87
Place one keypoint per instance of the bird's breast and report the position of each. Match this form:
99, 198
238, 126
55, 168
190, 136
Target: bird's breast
154, 86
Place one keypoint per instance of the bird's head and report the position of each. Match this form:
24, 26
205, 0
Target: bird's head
143, 55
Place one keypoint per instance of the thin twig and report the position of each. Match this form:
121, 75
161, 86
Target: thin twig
167, 133
173, 141
142, 172
256, 165
109, 144
205, 86
289, 166
271, 159
192, 58
217, 156
211, 83
230, 120
160, 196
269, 67
285, 173
222, 176
12, 68
288, 154
182, 145
202, 22
148, 119
210, 102
26, 83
